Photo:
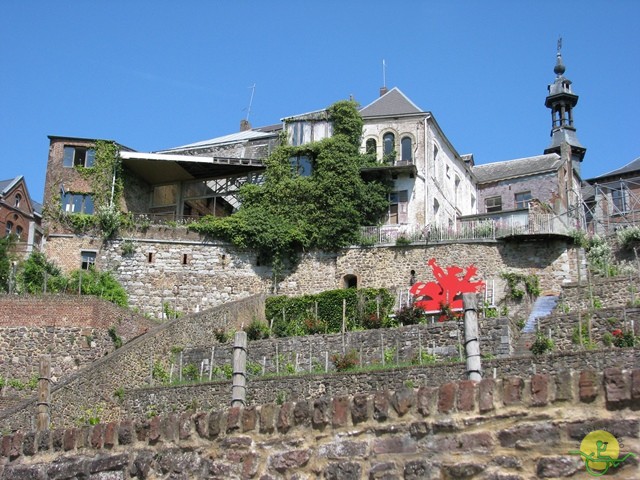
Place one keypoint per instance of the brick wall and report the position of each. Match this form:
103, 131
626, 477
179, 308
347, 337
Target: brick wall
511, 428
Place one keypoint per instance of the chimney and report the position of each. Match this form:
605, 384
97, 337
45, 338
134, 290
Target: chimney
383, 90
245, 125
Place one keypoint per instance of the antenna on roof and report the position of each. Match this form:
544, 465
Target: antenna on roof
384, 73
253, 90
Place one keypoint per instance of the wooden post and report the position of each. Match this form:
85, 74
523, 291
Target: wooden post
239, 389
213, 349
471, 334
44, 394
344, 321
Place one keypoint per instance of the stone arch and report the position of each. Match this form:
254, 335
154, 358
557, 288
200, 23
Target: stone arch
350, 280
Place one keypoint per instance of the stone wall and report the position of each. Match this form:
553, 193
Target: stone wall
141, 402
130, 365
512, 428
72, 330
606, 292
172, 266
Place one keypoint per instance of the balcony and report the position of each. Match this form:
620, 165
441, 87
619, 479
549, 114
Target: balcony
489, 228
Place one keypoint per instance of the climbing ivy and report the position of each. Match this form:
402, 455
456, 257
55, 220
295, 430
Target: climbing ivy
290, 213
515, 281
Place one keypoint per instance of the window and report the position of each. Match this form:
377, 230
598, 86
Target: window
493, 204
301, 165
164, 195
398, 202
77, 203
619, 200
371, 146
297, 134
389, 147
17, 200
88, 259
8, 228
523, 199
435, 152
405, 143
19, 231
78, 157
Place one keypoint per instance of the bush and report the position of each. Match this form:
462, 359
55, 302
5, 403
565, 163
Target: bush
257, 330
541, 345
100, 284
410, 315
345, 362
623, 339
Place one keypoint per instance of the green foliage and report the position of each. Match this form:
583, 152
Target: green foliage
489, 311
91, 416
6, 257
222, 336
628, 237
515, 282
624, 339
580, 336
580, 238
361, 305
345, 362
254, 368
32, 274
128, 248
78, 222
117, 341
402, 241
596, 303
119, 393
290, 213
600, 256
541, 344
389, 355
410, 315
169, 311
108, 218
225, 371
190, 372
257, 330
607, 339
424, 358
159, 373
100, 284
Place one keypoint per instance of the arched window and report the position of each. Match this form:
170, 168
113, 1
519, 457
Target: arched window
9, 228
389, 146
19, 231
18, 199
371, 146
406, 149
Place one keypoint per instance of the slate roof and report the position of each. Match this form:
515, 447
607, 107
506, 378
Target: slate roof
394, 102
520, 167
633, 166
5, 185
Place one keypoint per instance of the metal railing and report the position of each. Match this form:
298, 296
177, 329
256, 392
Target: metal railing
483, 229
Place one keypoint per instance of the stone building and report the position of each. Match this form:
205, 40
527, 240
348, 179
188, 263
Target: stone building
550, 183
612, 200
20, 215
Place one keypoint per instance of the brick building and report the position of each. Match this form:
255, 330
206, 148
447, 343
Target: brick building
20, 215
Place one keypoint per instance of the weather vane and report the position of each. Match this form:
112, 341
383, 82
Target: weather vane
559, 44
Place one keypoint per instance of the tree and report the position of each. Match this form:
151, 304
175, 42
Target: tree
289, 213
6, 257
33, 271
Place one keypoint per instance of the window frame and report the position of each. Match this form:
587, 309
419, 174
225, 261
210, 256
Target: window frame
496, 206
406, 152
85, 200
87, 261
522, 203
619, 201
78, 156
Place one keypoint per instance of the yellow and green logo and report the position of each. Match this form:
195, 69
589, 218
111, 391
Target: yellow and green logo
600, 451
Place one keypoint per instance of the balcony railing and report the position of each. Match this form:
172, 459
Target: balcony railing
520, 223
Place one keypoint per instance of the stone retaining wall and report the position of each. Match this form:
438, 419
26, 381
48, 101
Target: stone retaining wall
513, 428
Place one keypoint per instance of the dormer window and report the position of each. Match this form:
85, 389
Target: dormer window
17, 200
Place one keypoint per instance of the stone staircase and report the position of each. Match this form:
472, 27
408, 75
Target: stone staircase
542, 307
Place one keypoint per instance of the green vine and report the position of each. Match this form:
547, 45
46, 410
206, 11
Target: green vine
515, 282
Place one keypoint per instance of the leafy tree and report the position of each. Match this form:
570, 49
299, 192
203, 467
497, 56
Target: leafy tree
6, 257
289, 213
31, 278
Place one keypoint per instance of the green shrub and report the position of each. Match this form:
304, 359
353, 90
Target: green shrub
190, 373
257, 330
541, 345
410, 315
345, 362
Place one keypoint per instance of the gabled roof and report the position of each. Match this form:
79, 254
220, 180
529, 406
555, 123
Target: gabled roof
392, 103
633, 166
7, 185
520, 167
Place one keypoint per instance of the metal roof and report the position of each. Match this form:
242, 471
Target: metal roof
519, 167
394, 102
237, 137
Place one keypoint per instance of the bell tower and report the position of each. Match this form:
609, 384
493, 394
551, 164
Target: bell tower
561, 101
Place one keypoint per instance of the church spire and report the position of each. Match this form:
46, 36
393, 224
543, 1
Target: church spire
561, 101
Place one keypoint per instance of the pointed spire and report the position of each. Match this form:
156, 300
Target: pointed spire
559, 68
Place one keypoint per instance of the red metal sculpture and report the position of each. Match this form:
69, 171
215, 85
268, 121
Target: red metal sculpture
446, 292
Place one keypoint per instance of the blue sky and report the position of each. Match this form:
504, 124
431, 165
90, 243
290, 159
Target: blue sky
158, 74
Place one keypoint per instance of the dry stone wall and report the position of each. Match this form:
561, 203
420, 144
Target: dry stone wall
170, 265
130, 366
512, 428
